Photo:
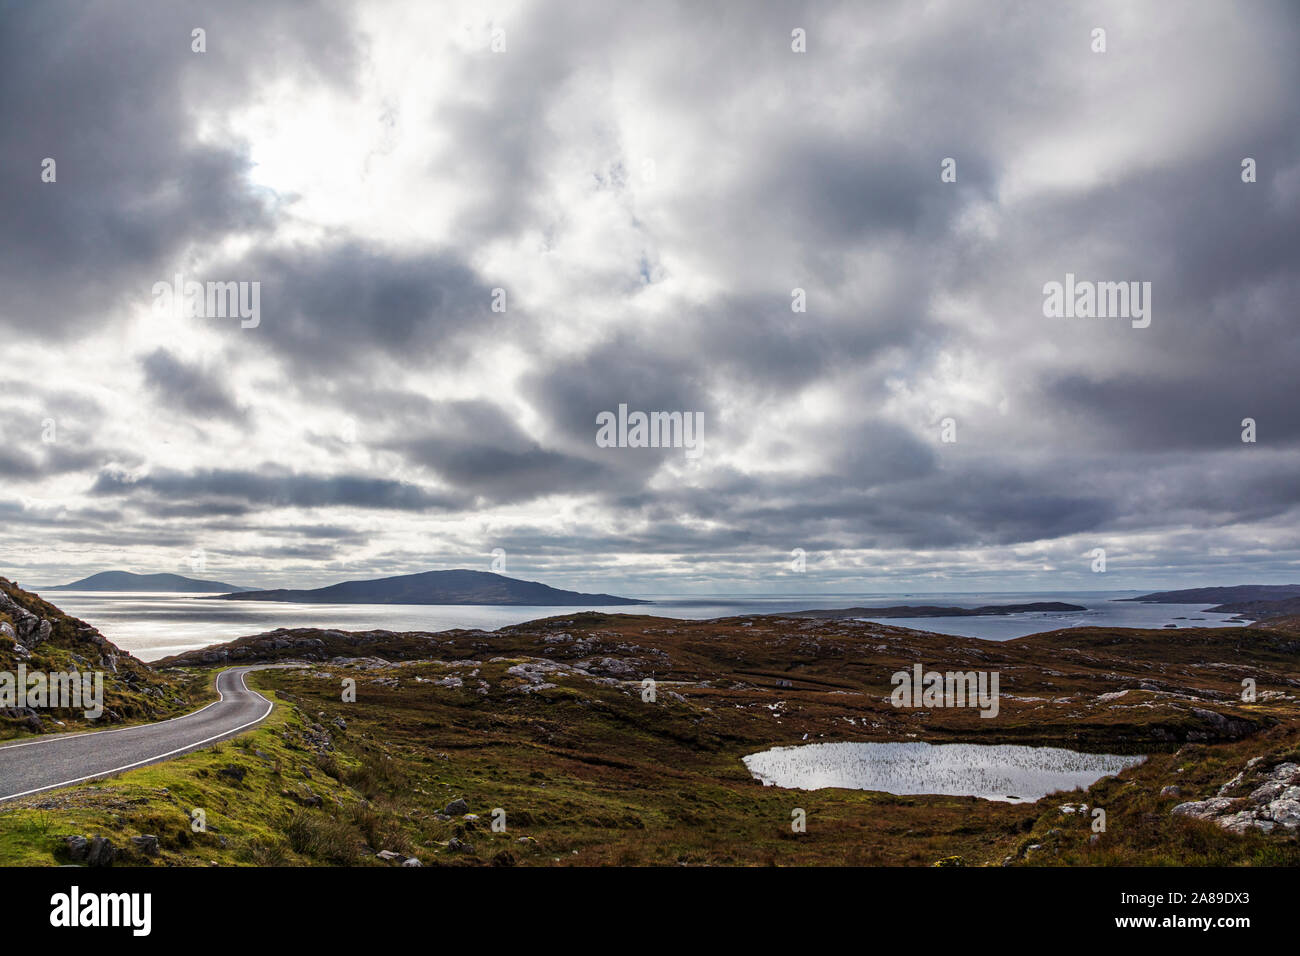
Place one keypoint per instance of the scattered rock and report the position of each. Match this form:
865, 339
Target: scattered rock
1204, 809
78, 848
306, 797
101, 852
457, 807
1224, 726
146, 844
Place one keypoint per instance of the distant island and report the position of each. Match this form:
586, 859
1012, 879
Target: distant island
126, 581
438, 587
1239, 592
1256, 601
926, 610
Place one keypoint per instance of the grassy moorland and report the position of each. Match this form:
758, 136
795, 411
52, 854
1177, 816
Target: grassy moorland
547, 722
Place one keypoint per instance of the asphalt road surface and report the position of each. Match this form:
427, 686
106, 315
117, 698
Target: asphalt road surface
57, 761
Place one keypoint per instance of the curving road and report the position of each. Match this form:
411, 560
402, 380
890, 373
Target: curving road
35, 765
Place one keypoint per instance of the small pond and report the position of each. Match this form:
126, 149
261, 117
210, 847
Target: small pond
993, 771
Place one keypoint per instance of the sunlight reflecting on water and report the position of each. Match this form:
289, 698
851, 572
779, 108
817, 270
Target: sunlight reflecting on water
993, 771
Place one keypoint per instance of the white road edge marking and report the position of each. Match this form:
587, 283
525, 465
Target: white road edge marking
117, 730
103, 773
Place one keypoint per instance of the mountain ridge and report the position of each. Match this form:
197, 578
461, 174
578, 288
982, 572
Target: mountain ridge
456, 586
130, 581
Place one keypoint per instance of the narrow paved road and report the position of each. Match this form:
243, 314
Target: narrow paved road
43, 764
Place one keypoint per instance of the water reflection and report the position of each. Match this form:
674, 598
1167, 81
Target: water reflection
993, 771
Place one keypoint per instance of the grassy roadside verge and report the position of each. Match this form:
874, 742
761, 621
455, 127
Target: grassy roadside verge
245, 792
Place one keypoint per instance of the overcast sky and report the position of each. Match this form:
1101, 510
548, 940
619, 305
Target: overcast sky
648, 183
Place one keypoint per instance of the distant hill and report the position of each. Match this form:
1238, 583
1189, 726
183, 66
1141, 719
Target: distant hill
438, 587
1234, 594
126, 581
1261, 610
929, 610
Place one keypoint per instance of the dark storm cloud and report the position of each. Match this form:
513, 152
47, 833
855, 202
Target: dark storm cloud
48, 461
108, 92
336, 531
477, 448
300, 552
842, 189
1182, 412
197, 390
1222, 257
54, 435
327, 308
755, 343
274, 488
200, 509
645, 371
974, 509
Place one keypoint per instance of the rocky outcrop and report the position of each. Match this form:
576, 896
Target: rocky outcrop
35, 633
27, 629
146, 844
40, 637
1221, 726
1273, 802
